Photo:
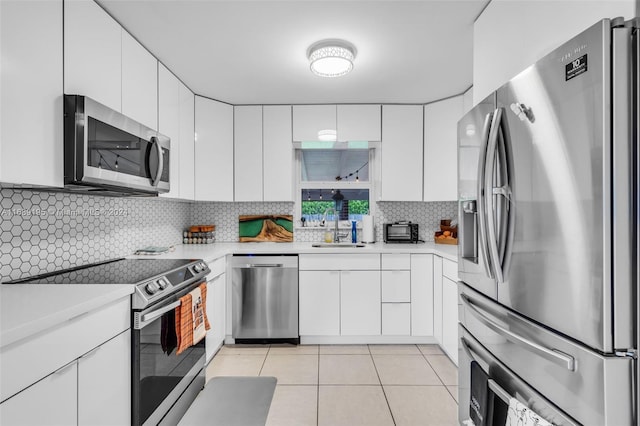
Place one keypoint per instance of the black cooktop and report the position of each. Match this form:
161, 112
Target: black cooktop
117, 271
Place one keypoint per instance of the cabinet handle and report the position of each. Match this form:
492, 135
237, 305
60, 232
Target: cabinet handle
64, 367
91, 353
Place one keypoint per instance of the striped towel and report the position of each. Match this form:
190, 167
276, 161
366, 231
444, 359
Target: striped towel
191, 318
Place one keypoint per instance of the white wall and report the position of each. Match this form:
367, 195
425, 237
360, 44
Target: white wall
510, 35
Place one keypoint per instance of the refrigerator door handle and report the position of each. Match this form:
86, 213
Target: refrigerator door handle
482, 212
552, 355
490, 157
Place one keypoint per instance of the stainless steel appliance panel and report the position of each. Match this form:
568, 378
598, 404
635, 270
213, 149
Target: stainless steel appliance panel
589, 387
473, 132
265, 297
557, 136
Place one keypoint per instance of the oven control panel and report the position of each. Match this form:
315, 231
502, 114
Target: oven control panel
163, 286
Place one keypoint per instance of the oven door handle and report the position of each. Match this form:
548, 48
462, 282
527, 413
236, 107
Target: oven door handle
150, 316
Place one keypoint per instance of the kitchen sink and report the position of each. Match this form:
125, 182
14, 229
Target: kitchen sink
335, 245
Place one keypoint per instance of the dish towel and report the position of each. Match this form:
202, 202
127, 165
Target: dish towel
191, 318
478, 402
168, 337
520, 415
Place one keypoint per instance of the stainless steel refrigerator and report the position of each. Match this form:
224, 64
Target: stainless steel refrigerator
548, 254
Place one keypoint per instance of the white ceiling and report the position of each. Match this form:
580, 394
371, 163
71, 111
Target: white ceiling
254, 52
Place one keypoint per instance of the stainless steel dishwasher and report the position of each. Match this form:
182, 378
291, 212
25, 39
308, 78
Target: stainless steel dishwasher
265, 298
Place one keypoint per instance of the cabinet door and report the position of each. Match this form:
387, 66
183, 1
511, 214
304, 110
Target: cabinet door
213, 150
51, 401
216, 307
169, 123
92, 53
396, 319
277, 153
139, 82
437, 298
441, 149
422, 293
308, 120
358, 122
31, 81
247, 135
186, 149
450, 319
396, 286
401, 152
104, 383
319, 303
360, 303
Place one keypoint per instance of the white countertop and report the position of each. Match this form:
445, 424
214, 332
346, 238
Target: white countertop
27, 309
210, 252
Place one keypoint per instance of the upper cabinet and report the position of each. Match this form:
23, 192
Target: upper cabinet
187, 143
139, 82
359, 122
277, 153
247, 134
92, 53
213, 150
31, 133
401, 164
350, 122
441, 149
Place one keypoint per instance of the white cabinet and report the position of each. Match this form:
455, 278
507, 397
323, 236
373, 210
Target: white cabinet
92, 53
358, 122
360, 303
216, 313
396, 319
247, 135
31, 134
139, 82
104, 383
396, 286
187, 144
277, 153
441, 149
213, 150
396, 294
169, 123
437, 298
467, 101
51, 401
308, 120
422, 295
401, 162
319, 293
450, 318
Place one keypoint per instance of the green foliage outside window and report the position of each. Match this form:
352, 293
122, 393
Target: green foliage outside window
319, 207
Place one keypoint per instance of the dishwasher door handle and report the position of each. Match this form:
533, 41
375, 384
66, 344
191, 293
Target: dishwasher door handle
265, 265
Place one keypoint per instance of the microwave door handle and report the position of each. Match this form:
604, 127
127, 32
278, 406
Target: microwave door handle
482, 219
156, 180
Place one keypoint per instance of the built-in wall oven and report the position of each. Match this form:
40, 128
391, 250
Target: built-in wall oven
163, 383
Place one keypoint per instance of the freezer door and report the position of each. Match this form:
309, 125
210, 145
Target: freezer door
473, 130
591, 388
558, 266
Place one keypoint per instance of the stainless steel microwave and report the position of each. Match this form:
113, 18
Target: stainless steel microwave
108, 153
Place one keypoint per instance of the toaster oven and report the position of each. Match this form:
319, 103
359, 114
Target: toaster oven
401, 232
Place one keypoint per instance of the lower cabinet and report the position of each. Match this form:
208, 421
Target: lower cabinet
216, 307
450, 318
437, 298
319, 293
396, 319
360, 303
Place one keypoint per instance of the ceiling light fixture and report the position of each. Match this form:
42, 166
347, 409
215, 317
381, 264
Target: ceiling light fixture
327, 135
331, 58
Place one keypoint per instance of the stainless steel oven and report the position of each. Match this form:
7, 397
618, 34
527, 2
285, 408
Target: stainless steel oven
107, 152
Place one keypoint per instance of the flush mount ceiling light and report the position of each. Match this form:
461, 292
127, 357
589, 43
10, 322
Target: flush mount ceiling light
331, 58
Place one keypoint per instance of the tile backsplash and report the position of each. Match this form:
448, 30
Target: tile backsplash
46, 231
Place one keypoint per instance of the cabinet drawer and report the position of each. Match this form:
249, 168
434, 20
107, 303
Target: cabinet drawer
31, 359
218, 267
339, 262
396, 286
450, 269
396, 319
396, 261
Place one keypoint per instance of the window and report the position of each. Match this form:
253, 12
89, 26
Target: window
334, 179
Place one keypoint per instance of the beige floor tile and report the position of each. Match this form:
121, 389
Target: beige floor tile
444, 368
244, 350
294, 406
453, 390
292, 369
430, 349
347, 370
344, 350
293, 350
405, 370
235, 365
394, 350
353, 406
422, 405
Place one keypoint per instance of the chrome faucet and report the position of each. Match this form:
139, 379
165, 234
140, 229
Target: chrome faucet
336, 215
